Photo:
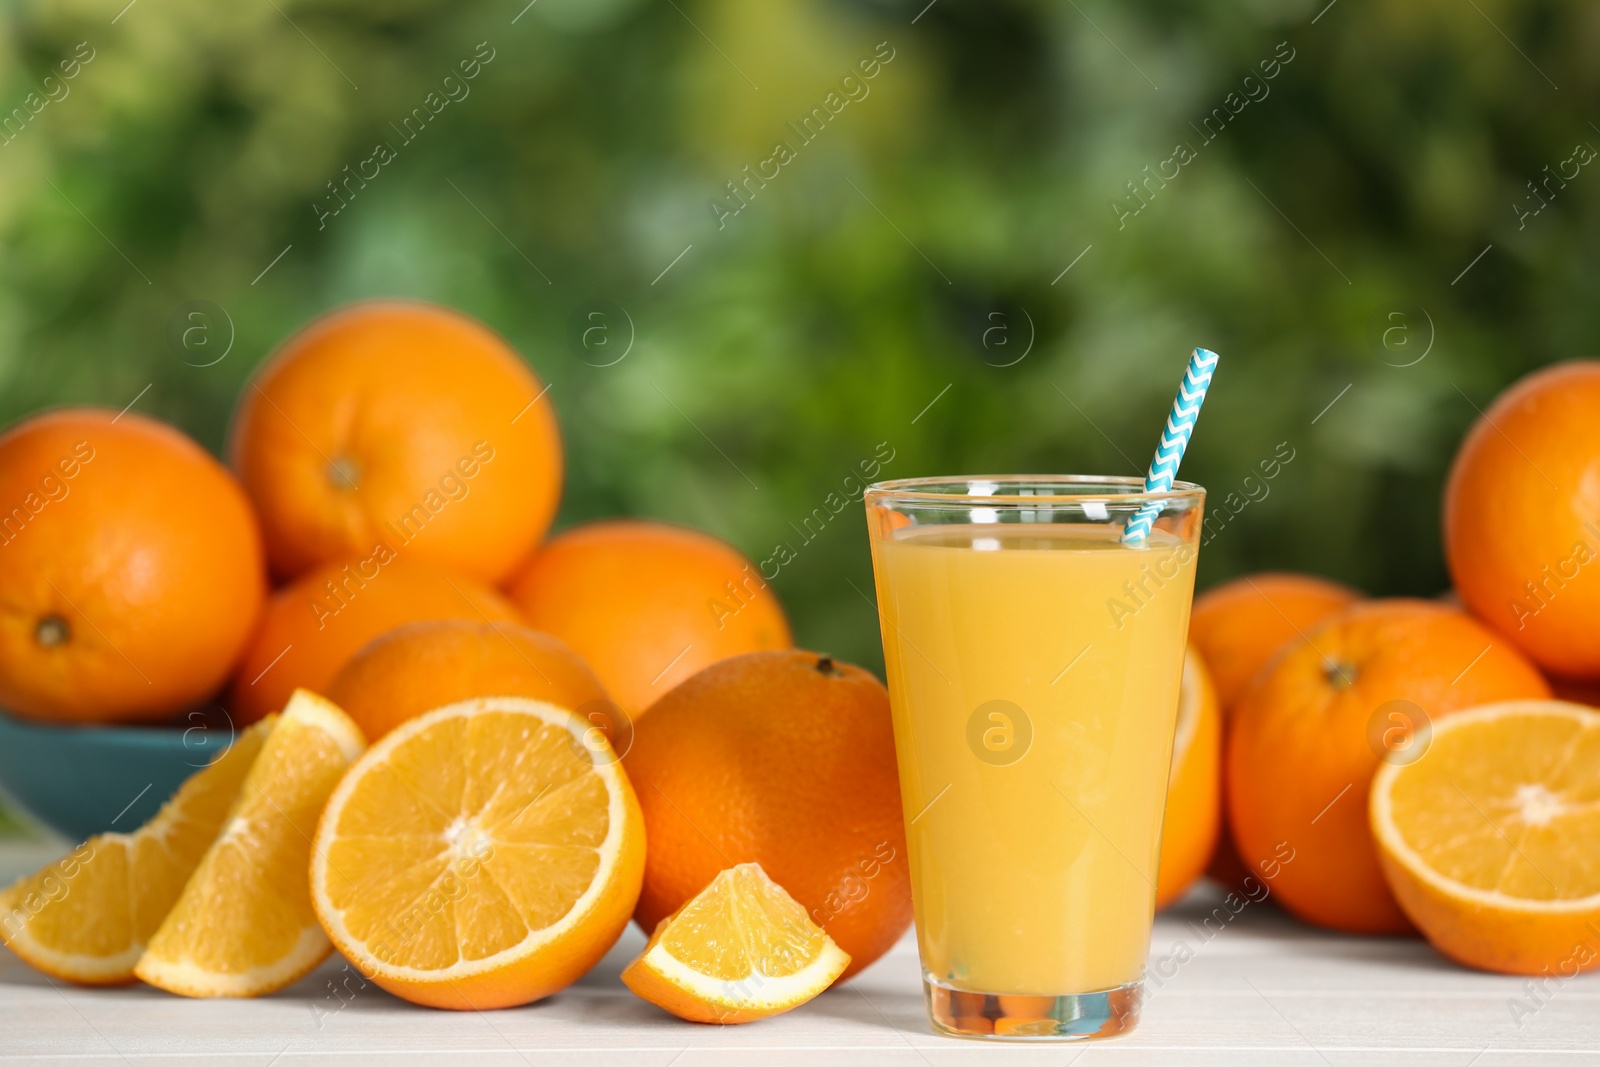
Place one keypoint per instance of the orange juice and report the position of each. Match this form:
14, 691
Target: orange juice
1033, 670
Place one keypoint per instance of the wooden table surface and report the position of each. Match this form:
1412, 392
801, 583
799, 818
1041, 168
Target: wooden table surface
1260, 989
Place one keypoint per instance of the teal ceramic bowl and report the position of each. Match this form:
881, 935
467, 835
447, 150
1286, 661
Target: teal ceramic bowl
85, 780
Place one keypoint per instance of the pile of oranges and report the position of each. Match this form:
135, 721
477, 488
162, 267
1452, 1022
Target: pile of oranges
372, 568
392, 463
1393, 766
457, 734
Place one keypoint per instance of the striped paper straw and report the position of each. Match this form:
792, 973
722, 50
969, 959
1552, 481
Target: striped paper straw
1174, 439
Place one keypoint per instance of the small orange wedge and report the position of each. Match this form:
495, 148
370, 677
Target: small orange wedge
482, 855
244, 926
1491, 839
86, 917
741, 949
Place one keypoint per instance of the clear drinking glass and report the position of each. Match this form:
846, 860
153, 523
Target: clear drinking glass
1034, 661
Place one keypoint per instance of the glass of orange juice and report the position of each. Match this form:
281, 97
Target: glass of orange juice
1034, 658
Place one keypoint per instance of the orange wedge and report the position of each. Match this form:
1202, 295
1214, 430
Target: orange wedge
243, 925
740, 950
86, 917
1194, 787
1491, 839
482, 855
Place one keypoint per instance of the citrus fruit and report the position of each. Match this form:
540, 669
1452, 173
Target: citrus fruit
1194, 790
426, 665
131, 565
1238, 627
1522, 517
243, 925
739, 950
648, 604
483, 855
312, 626
1489, 839
86, 917
400, 422
1308, 735
785, 759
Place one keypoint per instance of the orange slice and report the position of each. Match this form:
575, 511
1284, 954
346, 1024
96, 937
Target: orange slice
483, 855
1194, 787
740, 950
1491, 839
86, 917
243, 925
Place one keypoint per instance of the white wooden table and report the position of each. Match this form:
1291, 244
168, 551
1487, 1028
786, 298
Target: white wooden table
1264, 990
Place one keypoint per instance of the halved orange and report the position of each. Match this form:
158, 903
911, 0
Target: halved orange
1194, 785
1491, 839
86, 917
740, 950
482, 855
243, 925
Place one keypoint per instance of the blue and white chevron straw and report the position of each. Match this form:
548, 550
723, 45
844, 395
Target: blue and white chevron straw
1174, 439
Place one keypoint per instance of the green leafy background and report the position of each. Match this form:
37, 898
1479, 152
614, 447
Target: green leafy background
864, 280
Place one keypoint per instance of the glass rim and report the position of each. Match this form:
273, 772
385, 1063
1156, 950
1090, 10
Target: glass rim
1121, 490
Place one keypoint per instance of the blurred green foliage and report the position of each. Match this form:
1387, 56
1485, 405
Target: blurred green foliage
784, 345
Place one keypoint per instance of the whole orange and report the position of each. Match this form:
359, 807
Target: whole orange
785, 759
426, 665
405, 423
1310, 733
1522, 517
648, 604
312, 626
130, 565
1241, 624
1238, 626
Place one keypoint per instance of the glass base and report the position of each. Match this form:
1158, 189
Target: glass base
1011, 1017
